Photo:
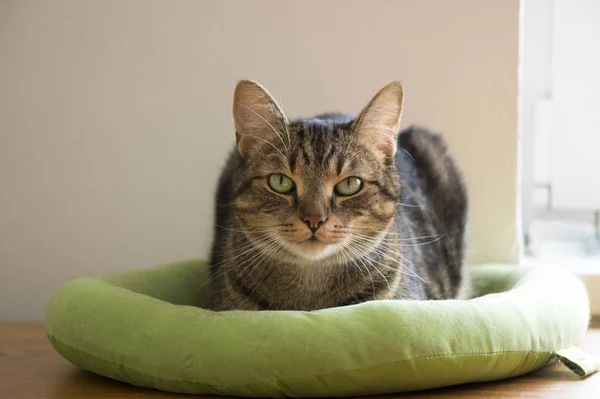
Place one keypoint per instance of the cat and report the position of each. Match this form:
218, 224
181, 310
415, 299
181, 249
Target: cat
335, 210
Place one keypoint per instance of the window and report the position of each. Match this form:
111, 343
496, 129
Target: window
560, 125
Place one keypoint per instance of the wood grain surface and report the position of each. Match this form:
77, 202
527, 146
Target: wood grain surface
30, 368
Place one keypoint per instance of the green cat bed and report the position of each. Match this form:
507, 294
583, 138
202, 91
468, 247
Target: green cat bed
144, 328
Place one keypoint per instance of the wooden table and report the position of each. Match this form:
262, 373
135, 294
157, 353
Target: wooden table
29, 368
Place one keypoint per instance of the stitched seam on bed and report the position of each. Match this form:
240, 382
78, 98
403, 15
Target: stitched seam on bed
304, 377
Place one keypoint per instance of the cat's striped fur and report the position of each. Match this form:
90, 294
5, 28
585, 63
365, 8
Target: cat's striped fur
401, 236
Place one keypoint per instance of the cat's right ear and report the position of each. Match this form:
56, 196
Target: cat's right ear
258, 119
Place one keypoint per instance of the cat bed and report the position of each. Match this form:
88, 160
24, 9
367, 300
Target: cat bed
145, 328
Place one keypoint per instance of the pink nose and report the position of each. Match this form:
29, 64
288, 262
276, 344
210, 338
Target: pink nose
313, 213
314, 221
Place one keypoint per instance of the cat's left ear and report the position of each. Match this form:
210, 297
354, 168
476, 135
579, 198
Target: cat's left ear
376, 127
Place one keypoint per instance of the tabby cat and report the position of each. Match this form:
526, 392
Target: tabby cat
335, 210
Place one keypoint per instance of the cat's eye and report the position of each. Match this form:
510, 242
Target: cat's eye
281, 183
349, 186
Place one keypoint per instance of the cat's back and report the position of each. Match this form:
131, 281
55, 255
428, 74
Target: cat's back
432, 212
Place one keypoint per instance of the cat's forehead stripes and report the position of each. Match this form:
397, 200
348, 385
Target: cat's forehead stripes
316, 144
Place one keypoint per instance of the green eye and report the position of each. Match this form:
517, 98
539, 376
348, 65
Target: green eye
281, 183
349, 186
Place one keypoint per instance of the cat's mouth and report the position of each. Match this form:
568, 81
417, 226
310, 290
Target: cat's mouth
312, 245
314, 241
313, 248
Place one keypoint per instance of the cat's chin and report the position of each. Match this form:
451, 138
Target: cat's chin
312, 250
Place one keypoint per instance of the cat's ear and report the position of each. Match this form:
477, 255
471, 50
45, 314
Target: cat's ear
258, 119
376, 127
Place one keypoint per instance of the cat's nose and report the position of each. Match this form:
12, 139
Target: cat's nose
314, 221
313, 213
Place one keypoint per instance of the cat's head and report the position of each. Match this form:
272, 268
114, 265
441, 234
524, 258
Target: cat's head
315, 189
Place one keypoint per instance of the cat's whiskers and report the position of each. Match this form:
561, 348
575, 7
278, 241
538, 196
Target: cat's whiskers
340, 261
349, 230
407, 153
353, 260
258, 257
347, 259
373, 243
278, 248
393, 269
246, 249
370, 261
337, 251
266, 255
367, 246
368, 265
394, 240
424, 243
223, 269
408, 205
259, 252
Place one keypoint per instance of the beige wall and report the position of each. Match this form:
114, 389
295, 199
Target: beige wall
115, 116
